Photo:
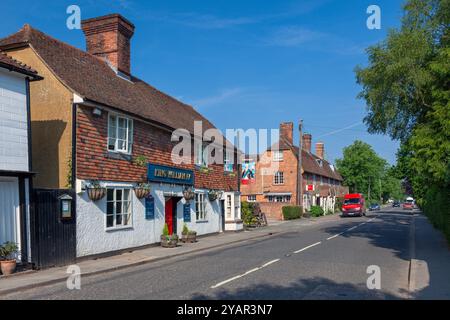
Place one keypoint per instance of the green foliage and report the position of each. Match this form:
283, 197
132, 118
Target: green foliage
165, 231
329, 212
367, 173
140, 161
185, 229
247, 213
292, 212
407, 89
7, 250
338, 204
317, 211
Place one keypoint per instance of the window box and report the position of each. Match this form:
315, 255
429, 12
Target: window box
213, 195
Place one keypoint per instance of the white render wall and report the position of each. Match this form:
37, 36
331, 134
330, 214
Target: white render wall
13, 122
93, 238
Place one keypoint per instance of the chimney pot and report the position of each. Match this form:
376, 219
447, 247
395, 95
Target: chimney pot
287, 132
109, 37
320, 149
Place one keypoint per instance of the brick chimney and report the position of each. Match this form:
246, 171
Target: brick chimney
287, 131
307, 142
109, 37
320, 149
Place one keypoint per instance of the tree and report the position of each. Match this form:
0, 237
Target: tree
367, 173
406, 87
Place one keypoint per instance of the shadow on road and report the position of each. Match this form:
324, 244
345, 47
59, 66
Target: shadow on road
302, 289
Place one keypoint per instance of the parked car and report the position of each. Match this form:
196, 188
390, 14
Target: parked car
408, 204
374, 207
396, 204
354, 205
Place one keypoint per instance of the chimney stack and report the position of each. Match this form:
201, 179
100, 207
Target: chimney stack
307, 142
109, 37
320, 149
287, 132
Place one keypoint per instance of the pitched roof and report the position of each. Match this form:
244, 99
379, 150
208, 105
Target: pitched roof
310, 162
93, 79
14, 65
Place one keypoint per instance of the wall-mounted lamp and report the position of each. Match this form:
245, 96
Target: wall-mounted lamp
97, 112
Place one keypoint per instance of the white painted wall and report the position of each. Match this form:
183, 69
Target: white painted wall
13, 122
93, 238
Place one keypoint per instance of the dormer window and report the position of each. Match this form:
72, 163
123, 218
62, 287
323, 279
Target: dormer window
120, 134
319, 162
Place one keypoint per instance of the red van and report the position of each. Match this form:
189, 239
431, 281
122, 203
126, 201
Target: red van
354, 205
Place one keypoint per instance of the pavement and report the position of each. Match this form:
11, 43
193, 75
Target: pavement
325, 258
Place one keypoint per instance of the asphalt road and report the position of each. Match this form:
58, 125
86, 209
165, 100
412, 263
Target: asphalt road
328, 261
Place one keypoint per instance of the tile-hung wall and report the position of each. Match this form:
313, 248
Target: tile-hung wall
13, 122
94, 236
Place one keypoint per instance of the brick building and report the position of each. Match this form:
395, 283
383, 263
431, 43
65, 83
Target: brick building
96, 125
275, 184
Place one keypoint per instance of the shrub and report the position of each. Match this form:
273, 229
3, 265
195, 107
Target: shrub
7, 250
317, 211
436, 205
185, 229
292, 212
338, 204
330, 212
165, 230
247, 212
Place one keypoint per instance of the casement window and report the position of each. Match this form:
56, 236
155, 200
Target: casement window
120, 134
118, 207
251, 198
278, 156
200, 206
201, 156
229, 206
227, 161
278, 178
279, 198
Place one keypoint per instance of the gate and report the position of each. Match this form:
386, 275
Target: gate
54, 237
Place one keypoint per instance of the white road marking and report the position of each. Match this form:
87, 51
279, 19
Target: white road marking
244, 274
352, 228
308, 247
335, 236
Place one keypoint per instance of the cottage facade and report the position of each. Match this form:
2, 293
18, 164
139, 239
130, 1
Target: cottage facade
95, 124
15, 158
276, 176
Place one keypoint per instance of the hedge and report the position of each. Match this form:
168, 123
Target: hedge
292, 212
436, 205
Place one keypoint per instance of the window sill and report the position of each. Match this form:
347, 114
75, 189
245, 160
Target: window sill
202, 221
118, 228
118, 155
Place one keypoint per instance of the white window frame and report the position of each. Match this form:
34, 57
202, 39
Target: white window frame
116, 226
280, 199
278, 178
128, 141
229, 206
278, 156
200, 207
251, 198
227, 161
201, 159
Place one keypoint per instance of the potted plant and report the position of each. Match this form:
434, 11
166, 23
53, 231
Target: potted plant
142, 190
188, 194
167, 240
188, 236
7, 261
213, 195
95, 190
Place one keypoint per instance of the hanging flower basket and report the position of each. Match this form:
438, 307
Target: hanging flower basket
213, 195
142, 190
188, 194
96, 193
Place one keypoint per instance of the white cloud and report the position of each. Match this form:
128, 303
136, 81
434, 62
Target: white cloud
219, 98
293, 36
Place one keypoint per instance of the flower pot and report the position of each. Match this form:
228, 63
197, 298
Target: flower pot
189, 238
96, 193
141, 192
169, 242
8, 266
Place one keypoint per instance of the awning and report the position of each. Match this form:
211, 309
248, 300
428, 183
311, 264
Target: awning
278, 194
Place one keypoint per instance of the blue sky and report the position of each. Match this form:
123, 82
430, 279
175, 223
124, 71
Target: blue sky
244, 64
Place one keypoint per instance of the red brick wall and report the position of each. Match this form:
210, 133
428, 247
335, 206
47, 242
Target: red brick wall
93, 161
273, 210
